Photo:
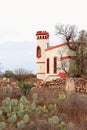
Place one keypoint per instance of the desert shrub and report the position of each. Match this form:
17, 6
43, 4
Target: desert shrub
82, 96
62, 117
53, 120
2, 125
61, 96
25, 87
70, 126
9, 74
34, 96
40, 102
63, 126
43, 125
32, 126
33, 106
50, 107
41, 110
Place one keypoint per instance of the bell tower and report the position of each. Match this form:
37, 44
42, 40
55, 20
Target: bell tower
42, 44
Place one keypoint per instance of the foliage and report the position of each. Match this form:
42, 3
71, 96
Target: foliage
41, 110
62, 96
33, 106
13, 118
34, 96
26, 118
63, 126
70, 126
21, 74
32, 126
2, 125
53, 120
25, 87
50, 107
21, 124
9, 74
24, 113
77, 44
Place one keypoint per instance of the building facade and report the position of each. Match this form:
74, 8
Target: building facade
51, 59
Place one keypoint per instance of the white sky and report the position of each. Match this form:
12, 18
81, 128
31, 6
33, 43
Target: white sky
20, 19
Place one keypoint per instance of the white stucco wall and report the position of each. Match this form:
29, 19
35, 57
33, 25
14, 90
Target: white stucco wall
62, 51
41, 61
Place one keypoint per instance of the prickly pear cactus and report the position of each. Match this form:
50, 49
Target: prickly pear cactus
63, 126
21, 124
32, 126
53, 120
23, 99
26, 118
33, 106
13, 118
1, 115
14, 102
20, 113
35, 96
62, 96
1, 112
50, 107
21, 106
2, 125
6, 102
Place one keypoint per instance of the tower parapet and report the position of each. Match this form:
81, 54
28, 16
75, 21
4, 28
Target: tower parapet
42, 35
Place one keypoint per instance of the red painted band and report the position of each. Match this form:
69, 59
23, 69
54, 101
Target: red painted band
65, 57
40, 62
54, 47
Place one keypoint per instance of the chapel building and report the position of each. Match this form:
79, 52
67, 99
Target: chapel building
50, 59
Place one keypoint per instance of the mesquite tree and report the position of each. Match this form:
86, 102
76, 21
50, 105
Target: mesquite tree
77, 42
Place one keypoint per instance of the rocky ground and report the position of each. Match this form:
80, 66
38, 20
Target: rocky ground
77, 84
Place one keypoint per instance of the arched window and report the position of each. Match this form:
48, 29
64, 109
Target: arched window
38, 52
55, 64
48, 65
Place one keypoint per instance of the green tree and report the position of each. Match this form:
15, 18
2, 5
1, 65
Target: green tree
9, 74
77, 43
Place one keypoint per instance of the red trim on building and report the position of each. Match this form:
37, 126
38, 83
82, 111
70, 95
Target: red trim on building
55, 65
48, 65
42, 35
40, 62
38, 52
65, 57
54, 47
62, 75
41, 73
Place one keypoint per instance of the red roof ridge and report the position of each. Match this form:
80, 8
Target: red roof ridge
54, 47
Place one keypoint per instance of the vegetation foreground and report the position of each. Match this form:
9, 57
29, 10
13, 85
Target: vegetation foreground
42, 109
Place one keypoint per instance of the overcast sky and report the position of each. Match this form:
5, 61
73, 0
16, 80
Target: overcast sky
20, 19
